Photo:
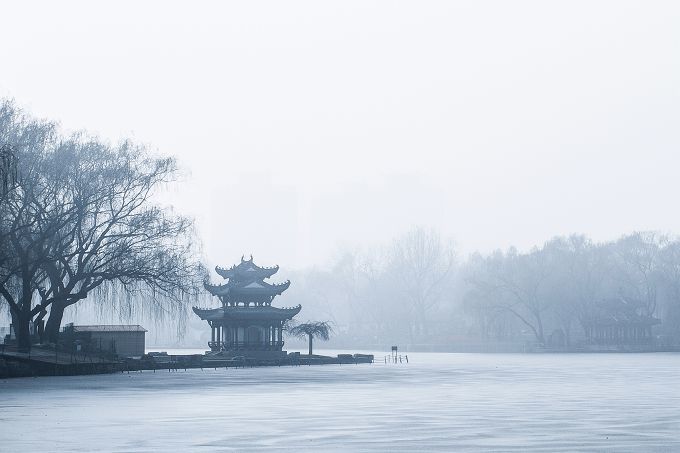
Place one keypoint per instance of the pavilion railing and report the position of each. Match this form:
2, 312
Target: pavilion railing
245, 346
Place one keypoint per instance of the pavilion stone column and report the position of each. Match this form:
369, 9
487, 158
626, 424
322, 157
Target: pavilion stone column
213, 332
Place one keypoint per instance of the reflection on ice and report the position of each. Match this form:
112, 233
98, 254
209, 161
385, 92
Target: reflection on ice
438, 401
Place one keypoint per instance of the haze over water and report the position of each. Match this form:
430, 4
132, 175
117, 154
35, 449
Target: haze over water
438, 402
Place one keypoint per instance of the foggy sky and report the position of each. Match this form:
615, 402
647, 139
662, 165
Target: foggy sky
309, 126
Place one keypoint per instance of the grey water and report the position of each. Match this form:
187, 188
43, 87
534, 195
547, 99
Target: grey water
437, 402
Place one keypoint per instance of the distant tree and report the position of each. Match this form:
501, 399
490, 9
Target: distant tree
638, 268
419, 265
367, 291
480, 301
670, 271
394, 292
516, 283
584, 277
320, 329
573, 282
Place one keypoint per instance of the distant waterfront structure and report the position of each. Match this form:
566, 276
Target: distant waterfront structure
619, 322
247, 324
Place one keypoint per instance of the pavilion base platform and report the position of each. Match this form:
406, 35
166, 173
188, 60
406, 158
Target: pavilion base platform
248, 354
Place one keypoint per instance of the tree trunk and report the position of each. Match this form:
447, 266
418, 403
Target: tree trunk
310, 344
39, 324
540, 335
22, 316
54, 322
419, 323
567, 333
20, 322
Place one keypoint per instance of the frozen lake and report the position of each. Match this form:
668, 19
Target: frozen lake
447, 402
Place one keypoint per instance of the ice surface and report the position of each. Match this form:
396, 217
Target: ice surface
447, 402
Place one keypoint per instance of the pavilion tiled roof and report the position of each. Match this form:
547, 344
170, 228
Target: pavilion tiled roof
247, 313
245, 283
619, 311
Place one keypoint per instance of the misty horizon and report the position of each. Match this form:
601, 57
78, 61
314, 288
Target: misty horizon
340, 226
515, 123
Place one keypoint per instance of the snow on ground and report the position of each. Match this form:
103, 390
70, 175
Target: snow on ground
446, 402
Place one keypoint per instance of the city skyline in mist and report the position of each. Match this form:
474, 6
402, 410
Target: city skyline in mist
300, 134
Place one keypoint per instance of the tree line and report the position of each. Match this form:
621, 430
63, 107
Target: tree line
419, 290
81, 218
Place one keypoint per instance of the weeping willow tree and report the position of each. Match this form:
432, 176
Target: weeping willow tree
119, 241
310, 330
86, 222
30, 213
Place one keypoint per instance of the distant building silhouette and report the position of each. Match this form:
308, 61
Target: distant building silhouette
619, 321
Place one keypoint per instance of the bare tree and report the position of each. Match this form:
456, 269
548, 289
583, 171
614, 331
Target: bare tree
419, 264
669, 268
83, 218
516, 283
545, 291
30, 214
118, 240
27, 230
573, 280
8, 170
638, 268
481, 300
369, 293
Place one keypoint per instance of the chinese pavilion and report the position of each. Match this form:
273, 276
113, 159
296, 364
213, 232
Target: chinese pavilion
619, 322
247, 324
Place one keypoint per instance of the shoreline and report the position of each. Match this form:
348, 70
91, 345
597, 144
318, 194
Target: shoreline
13, 364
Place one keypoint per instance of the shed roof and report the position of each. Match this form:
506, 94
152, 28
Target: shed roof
110, 328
